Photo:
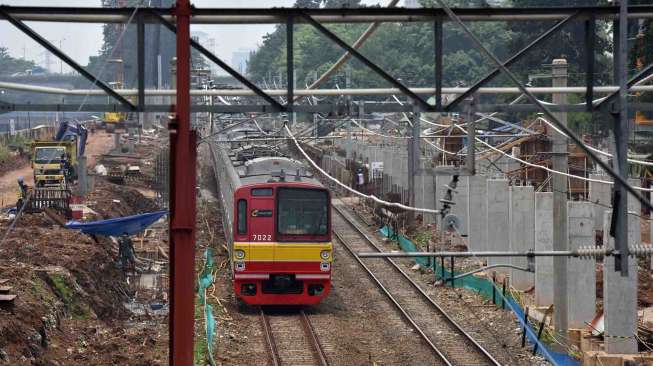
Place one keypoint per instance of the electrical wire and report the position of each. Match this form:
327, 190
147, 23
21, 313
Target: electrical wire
371, 197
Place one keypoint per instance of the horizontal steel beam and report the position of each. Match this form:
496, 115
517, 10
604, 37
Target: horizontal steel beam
319, 92
350, 15
339, 109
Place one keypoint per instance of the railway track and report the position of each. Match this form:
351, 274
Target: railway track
291, 340
450, 343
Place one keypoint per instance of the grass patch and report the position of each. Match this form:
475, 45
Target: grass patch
72, 303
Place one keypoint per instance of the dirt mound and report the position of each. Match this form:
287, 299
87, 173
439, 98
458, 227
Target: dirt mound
112, 200
69, 306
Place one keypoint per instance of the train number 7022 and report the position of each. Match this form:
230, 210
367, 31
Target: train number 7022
261, 237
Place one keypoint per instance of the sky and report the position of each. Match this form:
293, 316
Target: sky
81, 40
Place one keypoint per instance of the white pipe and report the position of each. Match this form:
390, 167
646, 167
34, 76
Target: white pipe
276, 19
318, 92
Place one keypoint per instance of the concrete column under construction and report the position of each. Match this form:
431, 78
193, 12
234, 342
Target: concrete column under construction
497, 220
522, 233
581, 272
600, 195
620, 293
559, 183
543, 241
477, 212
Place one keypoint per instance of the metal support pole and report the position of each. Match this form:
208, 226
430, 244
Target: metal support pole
141, 70
290, 70
414, 155
620, 130
182, 203
590, 40
560, 188
451, 263
523, 335
349, 153
438, 62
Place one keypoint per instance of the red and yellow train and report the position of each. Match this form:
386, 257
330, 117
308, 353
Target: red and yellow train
280, 230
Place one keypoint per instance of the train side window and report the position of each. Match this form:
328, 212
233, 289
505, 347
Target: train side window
242, 217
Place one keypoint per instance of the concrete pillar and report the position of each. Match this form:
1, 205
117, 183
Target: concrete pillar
600, 194
581, 272
522, 233
620, 294
559, 162
425, 196
497, 220
116, 141
543, 241
477, 212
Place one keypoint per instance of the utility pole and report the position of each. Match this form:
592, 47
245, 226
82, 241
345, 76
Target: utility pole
348, 85
560, 187
414, 155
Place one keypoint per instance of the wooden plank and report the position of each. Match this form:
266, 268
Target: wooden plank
3, 281
7, 298
5, 289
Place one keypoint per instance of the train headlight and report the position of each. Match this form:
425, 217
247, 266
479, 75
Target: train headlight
240, 254
325, 254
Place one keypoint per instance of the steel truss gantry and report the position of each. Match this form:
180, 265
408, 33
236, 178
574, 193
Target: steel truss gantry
183, 138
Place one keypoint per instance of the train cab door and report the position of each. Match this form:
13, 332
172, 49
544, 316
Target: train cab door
261, 217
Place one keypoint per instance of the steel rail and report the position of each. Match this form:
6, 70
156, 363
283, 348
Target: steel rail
450, 320
394, 301
318, 351
271, 345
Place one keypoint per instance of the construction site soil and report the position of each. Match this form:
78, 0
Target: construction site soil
13, 161
69, 305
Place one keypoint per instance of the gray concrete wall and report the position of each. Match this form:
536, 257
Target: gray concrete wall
522, 233
477, 212
425, 196
543, 241
600, 195
497, 220
581, 272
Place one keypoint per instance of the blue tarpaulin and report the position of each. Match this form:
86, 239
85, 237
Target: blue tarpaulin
117, 226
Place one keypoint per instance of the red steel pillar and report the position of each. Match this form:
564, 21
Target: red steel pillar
183, 158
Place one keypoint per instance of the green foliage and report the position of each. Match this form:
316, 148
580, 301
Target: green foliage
4, 152
66, 293
10, 65
406, 51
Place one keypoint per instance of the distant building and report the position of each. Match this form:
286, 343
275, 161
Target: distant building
239, 60
411, 4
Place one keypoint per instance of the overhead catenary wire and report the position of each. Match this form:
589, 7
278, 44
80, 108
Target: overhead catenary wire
368, 196
552, 170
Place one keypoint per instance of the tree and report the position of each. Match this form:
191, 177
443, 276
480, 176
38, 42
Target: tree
10, 65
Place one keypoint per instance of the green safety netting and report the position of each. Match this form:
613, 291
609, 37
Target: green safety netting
205, 281
484, 288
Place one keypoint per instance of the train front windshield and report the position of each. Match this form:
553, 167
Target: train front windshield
303, 214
